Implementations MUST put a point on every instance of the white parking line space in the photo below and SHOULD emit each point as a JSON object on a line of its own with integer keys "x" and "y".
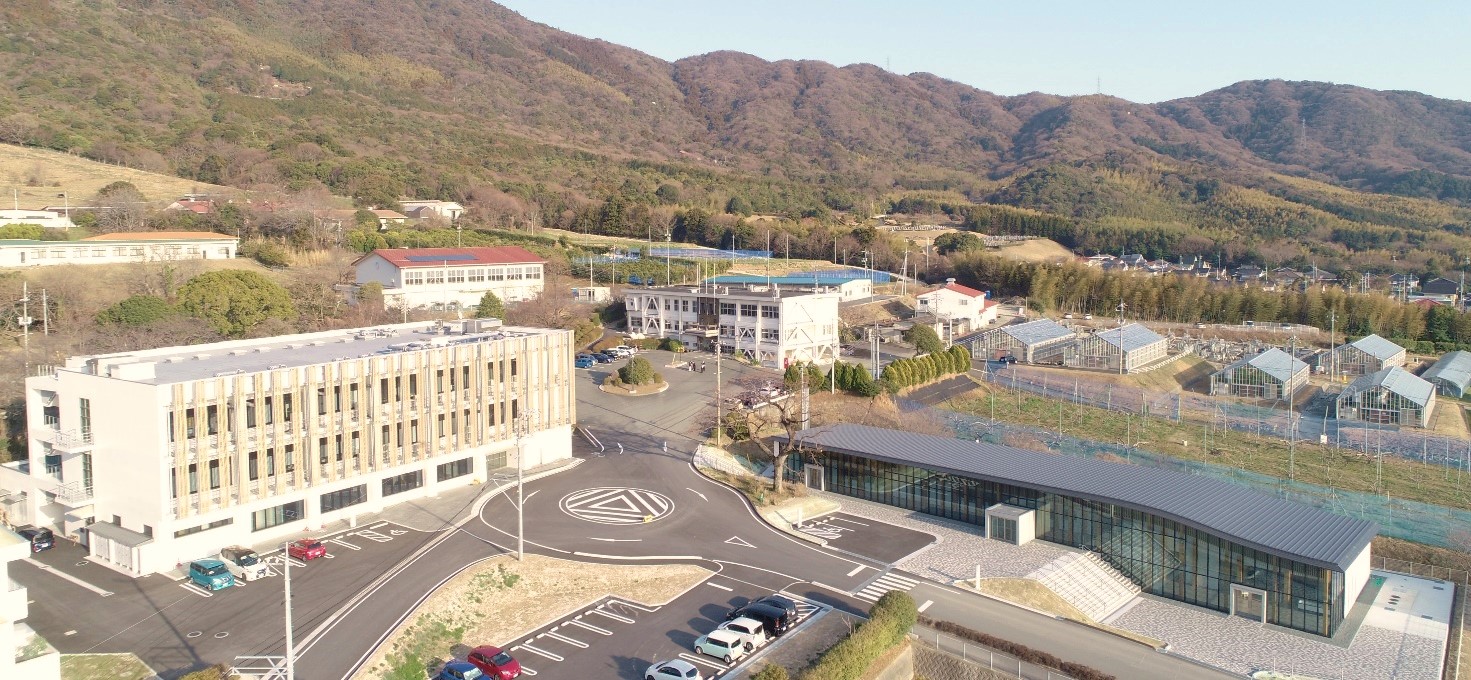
{"x": 527, "y": 646}
{"x": 371, "y": 535}
{"x": 611, "y": 615}
{"x": 703, "y": 660}
{"x": 925, "y": 606}
{"x": 555, "y": 636}
{"x": 65, "y": 576}
{"x": 344, "y": 544}
{"x": 857, "y": 569}
{"x": 588, "y": 626}
{"x": 845, "y": 519}
{"x": 189, "y": 586}
{"x": 713, "y": 584}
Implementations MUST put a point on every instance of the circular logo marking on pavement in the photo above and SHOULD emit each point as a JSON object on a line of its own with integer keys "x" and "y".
{"x": 617, "y": 505}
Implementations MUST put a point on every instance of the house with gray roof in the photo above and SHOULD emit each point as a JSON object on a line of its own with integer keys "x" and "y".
{"x": 1040, "y": 341}
{"x": 1125, "y": 349}
{"x": 1273, "y": 374}
{"x": 1366, "y": 355}
{"x": 1451, "y": 375}
{"x": 1190, "y": 538}
{"x": 1392, "y": 396}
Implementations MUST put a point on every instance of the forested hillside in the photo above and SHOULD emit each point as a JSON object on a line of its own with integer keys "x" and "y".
{"x": 465, "y": 100}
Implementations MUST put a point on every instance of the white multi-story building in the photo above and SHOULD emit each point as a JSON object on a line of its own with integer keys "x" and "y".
{"x": 42, "y": 217}
{"x": 23, "y": 654}
{"x": 158, "y": 457}
{"x": 773, "y": 326}
{"x": 451, "y": 278}
{"x": 151, "y": 246}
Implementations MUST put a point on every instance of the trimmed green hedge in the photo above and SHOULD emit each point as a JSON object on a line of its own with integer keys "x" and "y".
{"x": 888, "y": 624}
{"x": 927, "y": 368}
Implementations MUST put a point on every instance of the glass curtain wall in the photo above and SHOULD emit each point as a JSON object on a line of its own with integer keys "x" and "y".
{"x": 1164, "y": 557}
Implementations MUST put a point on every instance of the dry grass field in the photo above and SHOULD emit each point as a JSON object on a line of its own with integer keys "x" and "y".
{"x": 38, "y": 175}
{"x": 1036, "y": 250}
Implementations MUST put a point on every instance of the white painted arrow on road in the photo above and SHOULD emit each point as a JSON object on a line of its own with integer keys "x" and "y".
{"x": 736, "y": 540}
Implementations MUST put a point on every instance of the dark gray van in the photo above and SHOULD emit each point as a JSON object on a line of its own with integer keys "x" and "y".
{"x": 40, "y": 538}
{"x": 772, "y": 619}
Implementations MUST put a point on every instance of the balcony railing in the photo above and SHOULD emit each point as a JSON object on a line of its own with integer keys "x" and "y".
{"x": 72, "y": 439}
{"x": 74, "y": 493}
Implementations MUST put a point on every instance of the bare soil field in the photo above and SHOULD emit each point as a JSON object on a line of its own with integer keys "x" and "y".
{"x": 1036, "y": 250}
{"x": 40, "y": 174}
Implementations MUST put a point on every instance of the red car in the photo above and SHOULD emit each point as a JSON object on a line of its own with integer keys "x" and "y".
{"x": 306, "y": 549}
{"x": 494, "y": 663}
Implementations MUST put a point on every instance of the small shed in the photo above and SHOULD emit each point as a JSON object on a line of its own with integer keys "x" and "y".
{"x": 1451, "y": 375}
{"x": 1392, "y": 396}
{"x": 1273, "y": 374}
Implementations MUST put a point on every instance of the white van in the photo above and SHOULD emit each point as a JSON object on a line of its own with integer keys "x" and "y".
{"x": 244, "y": 563}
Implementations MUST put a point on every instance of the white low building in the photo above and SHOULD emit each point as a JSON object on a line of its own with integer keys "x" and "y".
{"x": 148, "y": 246}
{"x": 773, "y": 326}
{"x": 425, "y": 210}
{"x": 956, "y": 309}
{"x": 158, "y": 457}
{"x": 451, "y": 278}
{"x": 44, "y": 218}
{"x": 23, "y": 654}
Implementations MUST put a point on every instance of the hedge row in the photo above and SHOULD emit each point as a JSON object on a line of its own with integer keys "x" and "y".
{"x": 920, "y": 370}
{"x": 1075, "y": 670}
{"x": 887, "y": 626}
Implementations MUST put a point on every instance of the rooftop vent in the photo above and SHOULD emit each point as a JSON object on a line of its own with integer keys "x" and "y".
{"x": 174, "y": 360}
{"x": 276, "y": 366}
{"x": 238, "y": 352}
{"x": 201, "y": 356}
{"x": 262, "y": 350}
{"x": 318, "y": 343}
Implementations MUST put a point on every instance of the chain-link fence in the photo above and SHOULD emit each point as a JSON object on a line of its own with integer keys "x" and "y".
{"x": 945, "y": 657}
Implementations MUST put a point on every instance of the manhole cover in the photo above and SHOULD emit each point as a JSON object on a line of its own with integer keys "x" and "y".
{"x": 617, "y": 505}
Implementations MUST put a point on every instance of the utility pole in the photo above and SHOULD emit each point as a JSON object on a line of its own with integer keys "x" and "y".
{"x": 1292, "y": 413}
{"x": 45, "y": 315}
{"x": 25, "y": 325}
{"x": 523, "y": 428}
{"x": 290, "y": 638}
{"x": 719, "y": 402}
{"x": 903, "y": 270}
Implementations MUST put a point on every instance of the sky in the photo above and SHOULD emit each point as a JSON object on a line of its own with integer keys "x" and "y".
{"x": 1141, "y": 50}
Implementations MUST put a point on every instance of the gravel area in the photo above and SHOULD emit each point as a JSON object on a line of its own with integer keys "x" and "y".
{"x": 799, "y": 651}
{"x": 540, "y": 590}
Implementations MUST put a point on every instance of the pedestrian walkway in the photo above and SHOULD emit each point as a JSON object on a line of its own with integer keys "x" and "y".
{"x": 882, "y": 585}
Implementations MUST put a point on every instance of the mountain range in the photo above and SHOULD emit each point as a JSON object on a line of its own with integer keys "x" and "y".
{"x": 436, "y": 98}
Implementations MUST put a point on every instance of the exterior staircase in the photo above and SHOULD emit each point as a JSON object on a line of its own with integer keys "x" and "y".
{"x": 1088, "y": 583}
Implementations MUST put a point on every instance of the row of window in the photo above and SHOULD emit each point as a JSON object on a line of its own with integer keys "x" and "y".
{"x": 122, "y": 251}
{"x": 476, "y": 275}
{"x": 331, "y": 399}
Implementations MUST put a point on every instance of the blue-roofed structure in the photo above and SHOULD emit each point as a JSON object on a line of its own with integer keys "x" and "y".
{"x": 1391, "y": 396}
{"x": 1273, "y": 374}
{"x": 1185, "y": 537}
{"x": 1451, "y": 375}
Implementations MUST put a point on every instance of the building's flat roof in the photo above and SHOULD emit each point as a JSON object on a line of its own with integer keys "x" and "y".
{"x": 791, "y": 280}
{"x": 1377, "y": 347}
{"x": 117, "y": 534}
{"x": 1131, "y": 337}
{"x": 742, "y": 292}
{"x": 1396, "y": 380}
{"x": 197, "y": 362}
{"x": 1453, "y": 368}
{"x": 1241, "y": 514}
{"x": 1273, "y": 362}
{"x": 409, "y": 258}
{"x": 145, "y": 236}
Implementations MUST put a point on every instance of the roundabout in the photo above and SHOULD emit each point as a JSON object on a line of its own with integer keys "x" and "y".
{"x": 617, "y": 505}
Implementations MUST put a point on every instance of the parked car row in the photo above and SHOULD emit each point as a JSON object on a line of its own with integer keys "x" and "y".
{"x": 746, "y": 629}
{"x": 485, "y": 661}
{"x": 607, "y": 356}
{"x": 243, "y": 564}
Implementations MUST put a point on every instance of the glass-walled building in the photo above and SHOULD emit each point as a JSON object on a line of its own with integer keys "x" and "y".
{"x": 1184, "y": 537}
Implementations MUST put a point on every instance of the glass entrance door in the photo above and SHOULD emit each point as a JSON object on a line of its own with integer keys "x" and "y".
{"x": 1249, "y": 603}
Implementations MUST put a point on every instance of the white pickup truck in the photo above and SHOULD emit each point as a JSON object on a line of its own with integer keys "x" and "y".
{"x": 244, "y": 563}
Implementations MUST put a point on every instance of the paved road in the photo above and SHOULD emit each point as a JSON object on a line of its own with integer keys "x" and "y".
{"x": 594, "y": 512}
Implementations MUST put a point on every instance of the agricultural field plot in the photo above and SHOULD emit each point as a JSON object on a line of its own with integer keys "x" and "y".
{"x": 40, "y": 174}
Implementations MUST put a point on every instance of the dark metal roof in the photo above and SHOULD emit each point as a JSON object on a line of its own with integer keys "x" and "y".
{"x": 1237, "y": 513}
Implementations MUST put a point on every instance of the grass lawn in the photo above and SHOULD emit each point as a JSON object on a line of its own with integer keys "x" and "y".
{"x": 1314, "y": 464}
{"x": 1033, "y": 594}
{"x": 41, "y": 174}
{"x": 103, "y": 667}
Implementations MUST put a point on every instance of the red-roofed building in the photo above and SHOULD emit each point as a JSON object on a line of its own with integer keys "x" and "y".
{"x": 196, "y": 207}
{"x": 451, "y": 278}
{"x": 956, "y": 309}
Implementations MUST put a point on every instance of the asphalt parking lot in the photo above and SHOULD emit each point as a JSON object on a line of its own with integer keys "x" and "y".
{"x": 621, "y": 639}
{"x": 173, "y": 624}
{"x": 870, "y": 538}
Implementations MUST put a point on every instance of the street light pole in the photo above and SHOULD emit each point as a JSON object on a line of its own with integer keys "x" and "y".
{"x": 523, "y": 428}
{"x": 290, "y": 638}
{"x": 668, "y": 246}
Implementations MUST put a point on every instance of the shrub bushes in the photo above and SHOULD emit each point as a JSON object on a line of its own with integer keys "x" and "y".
{"x": 638, "y": 372}
{"x": 1075, "y": 670}
{"x": 920, "y": 370}
{"x": 671, "y": 345}
{"x": 888, "y": 624}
